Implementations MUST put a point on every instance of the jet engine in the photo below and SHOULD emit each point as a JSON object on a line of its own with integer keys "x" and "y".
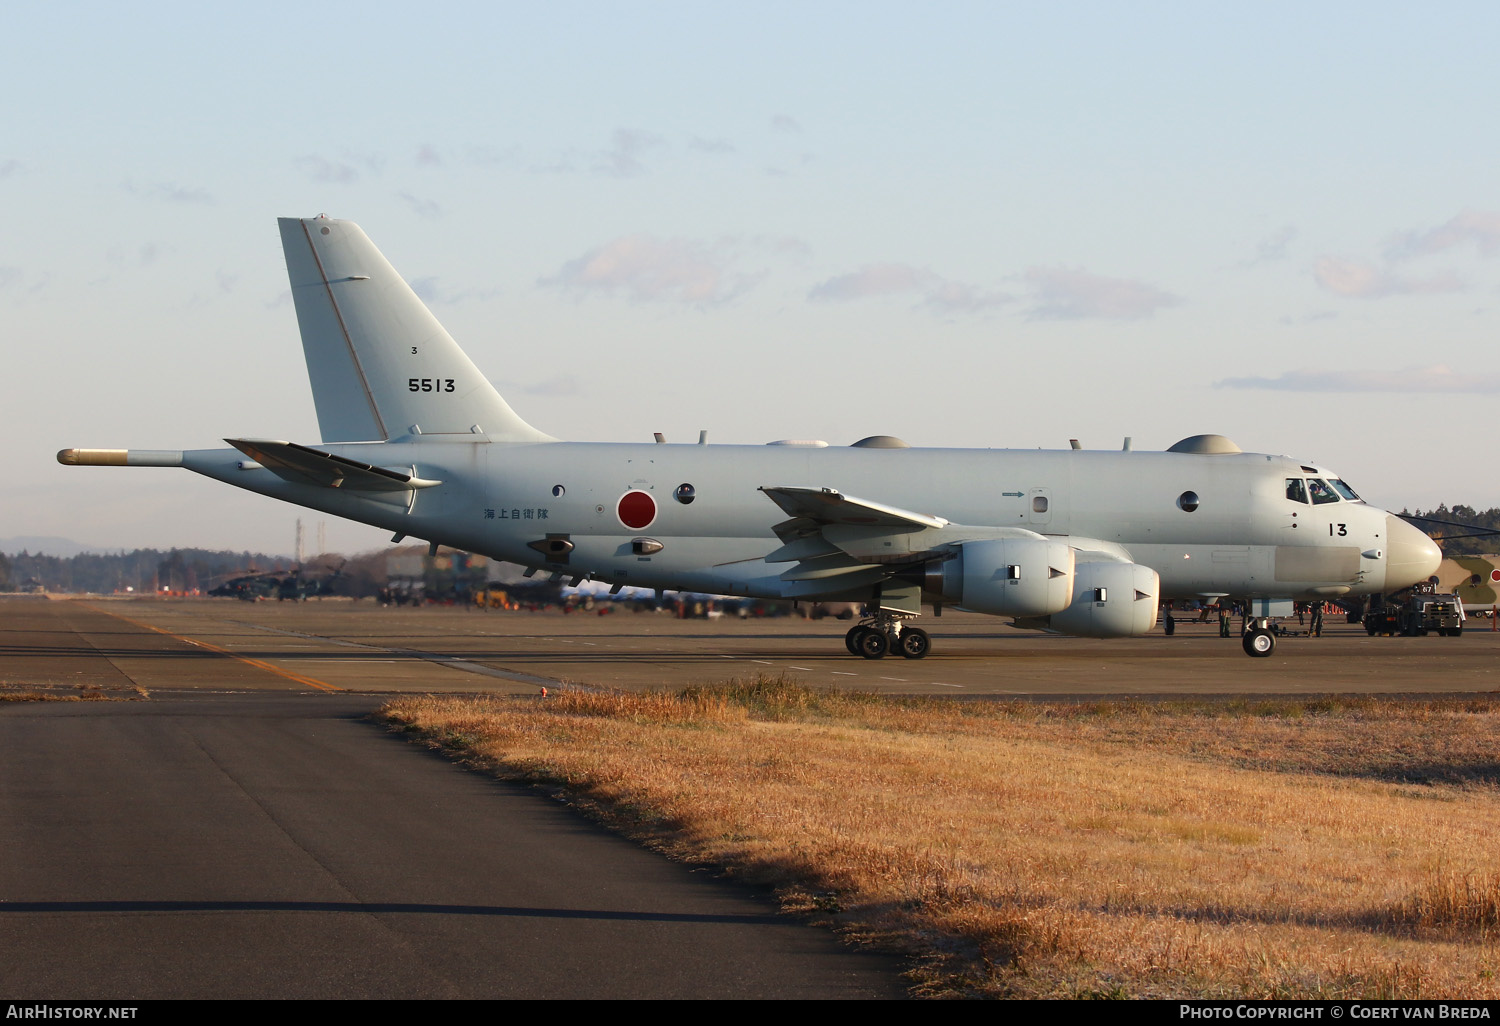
{"x": 1110, "y": 600}
{"x": 1008, "y": 577}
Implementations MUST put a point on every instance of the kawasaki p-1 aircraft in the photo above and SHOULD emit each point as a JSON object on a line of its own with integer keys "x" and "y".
{"x": 418, "y": 442}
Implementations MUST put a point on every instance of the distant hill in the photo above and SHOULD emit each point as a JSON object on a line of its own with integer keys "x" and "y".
{"x": 48, "y": 545}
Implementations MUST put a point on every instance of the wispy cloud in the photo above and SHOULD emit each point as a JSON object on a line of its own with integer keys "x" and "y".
{"x": 1273, "y": 247}
{"x": 429, "y": 209}
{"x": 562, "y": 385}
{"x": 781, "y": 245}
{"x": 956, "y": 297}
{"x": 431, "y": 291}
{"x": 871, "y": 280}
{"x": 623, "y": 157}
{"x": 490, "y": 156}
{"x": 644, "y": 268}
{"x": 1068, "y": 294}
{"x": 1436, "y": 378}
{"x": 9, "y": 167}
{"x": 1288, "y": 321}
{"x": 702, "y": 145}
{"x": 1356, "y": 279}
{"x": 168, "y": 192}
{"x": 937, "y": 294}
{"x": 428, "y": 155}
{"x": 144, "y": 255}
{"x": 1478, "y": 227}
{"x": 785, "y": 123}
{"x": 1386, "y": 275}
{"x": 327, "y": 172}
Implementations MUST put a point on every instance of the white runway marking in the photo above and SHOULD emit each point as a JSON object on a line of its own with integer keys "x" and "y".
{"x": 340, "y": 660}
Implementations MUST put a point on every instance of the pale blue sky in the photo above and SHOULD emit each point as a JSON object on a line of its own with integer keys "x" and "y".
{"x": 966, "y": 224}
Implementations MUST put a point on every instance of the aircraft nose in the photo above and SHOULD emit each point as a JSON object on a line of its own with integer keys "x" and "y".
{"x": 1410, "y": 556}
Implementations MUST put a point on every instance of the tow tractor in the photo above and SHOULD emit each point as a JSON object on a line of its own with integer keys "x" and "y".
{"x": 1421, "y": 611}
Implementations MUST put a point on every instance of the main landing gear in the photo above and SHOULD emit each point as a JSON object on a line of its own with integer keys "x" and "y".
{"x": 886, "y": 633}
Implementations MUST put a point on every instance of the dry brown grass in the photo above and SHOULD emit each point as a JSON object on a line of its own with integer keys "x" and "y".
{"x": 1326, "y": 848}
{"x": 23, "y": 693}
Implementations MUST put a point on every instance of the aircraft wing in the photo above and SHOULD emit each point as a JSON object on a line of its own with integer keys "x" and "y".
{"x": 303, "y": 465}
{"x": 846, "y": 540}
{"x": 830, "y": 506}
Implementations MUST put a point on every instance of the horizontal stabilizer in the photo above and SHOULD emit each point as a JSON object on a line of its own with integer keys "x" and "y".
{"x": 302, "y": 465}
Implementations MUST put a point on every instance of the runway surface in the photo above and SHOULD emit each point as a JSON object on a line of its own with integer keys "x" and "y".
{"x": 243, "y": 834}
{"x": 335, "y": 646}
{"x": 231, "y": 826}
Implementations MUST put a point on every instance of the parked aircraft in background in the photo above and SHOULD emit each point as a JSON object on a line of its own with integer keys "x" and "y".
{"x": 1475, "y": 579}
{"x": 417, "y": 441}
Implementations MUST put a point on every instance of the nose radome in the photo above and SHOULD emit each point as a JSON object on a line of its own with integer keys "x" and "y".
{"x": 1410, "y": 556}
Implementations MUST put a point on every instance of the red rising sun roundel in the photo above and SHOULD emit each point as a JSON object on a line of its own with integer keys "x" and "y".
{"x": 636, "y": 510}
{"x": 1495, "y": 575}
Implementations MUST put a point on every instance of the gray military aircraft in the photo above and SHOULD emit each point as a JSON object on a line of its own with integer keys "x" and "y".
{"x": 418, "y": 442}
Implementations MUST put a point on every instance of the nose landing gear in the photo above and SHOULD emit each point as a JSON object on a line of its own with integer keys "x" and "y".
{"x": 1260, "y": 637}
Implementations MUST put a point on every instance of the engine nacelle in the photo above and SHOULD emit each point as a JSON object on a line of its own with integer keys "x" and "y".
{"x": 1110, "y": 600}
{"x": 1010, "y": 576}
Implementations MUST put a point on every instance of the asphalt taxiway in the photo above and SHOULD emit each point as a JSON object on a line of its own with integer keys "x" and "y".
{"x": 232, "y": 825}
{"x": 344, "y": 646}
{"x": 247, "y": 832}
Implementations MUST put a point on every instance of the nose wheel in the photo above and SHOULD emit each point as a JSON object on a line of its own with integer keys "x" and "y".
{"x": 1259, "y": 640}
{"x": 887, "y": 634}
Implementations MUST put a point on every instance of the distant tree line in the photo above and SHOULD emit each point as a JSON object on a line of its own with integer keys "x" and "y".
{"x": 143, "y": 570}
{"x": 1444, "y": 528}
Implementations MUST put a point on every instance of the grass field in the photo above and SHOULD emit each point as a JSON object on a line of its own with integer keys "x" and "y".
{"x": 1334, "y": 848}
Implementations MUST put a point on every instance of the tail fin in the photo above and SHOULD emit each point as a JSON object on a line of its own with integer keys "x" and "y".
{"x": 381, "y": 365}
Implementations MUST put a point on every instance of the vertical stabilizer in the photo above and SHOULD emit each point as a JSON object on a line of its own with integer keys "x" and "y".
{"x": 379, "y": 362}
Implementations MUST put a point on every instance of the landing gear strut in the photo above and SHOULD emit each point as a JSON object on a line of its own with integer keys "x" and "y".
{"x": 884, "y": 633}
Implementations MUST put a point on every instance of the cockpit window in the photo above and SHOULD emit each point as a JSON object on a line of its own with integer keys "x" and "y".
{"x": 1294, "y": 490}
{"x": 1321, "y": 493}
{"x": 1345, "y": 490}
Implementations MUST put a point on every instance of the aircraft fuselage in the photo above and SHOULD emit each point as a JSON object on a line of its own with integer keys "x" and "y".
{"x": 1244, "y": 537}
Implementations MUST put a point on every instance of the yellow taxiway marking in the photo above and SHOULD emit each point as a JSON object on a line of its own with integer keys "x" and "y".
{"x": 258, "y": 664}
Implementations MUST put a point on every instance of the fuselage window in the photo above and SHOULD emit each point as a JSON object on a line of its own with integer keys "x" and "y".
{"x": 1321, "y": 493}
{"x": 1187, "y": 501}
{"x": 1344, "y": 490}
{"x": 1039, "y": 504}
{"x": 1295, "y": 490}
